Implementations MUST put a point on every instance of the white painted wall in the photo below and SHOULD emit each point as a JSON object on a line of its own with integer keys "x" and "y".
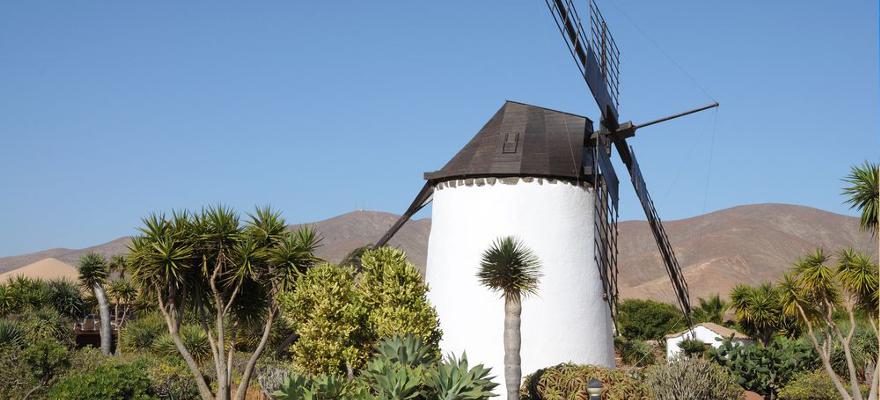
{"x": 702, "y": 334}
{"x": 567, "y": 321}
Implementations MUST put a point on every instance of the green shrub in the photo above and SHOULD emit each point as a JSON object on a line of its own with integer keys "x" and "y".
{"x": 340, "y": 314}
{"x": 569, "y": 381}
{"x": 396, "y": 297}
{"x": 66, "y": 298}
{"x": 809, "y": 386}
{"x": 193, "y": 337}
{"x": 864, "y": 353}
{"x": 171, "y": 379}
{"x": 692, "y": 347}
{"x": 648, "y": 319}
{"x": 110, "y": 382}
{"x": 766, "y": 369}
{"x": 140, "y": 333}
{"x": 46, "y": 323}
{"x": 17, "y": 381}
{"x": 47, "y": 359}
{"x": 87, "y": 359}
{"x": 330, "y": 319}
{"x": 692, "y": 379}
{"x": 26, "y": 292}
{"x": 636, "y": 353}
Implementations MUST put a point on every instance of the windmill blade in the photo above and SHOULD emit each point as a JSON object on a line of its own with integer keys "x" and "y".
{"x": 422, "y": 199}
{"x": 679, "y": 284}
{"x": 595, "y": 53}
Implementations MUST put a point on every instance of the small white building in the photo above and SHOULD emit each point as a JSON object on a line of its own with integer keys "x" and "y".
{"x": 706, "y": 332}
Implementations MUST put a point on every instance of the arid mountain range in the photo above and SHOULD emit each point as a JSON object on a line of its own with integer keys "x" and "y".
{"x": 746, "y": 244}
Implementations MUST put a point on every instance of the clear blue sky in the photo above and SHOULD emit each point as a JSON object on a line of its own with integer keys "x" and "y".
{"x": 111, "y": 110}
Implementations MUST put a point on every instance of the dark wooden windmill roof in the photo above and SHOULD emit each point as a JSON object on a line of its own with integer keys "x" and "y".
{"x": 522, "y": 140}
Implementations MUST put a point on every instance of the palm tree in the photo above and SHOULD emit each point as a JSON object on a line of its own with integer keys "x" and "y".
{"x": 711, "y": 310}
{"x": 758, "y": 310}
{"x": 93, "y": 275}
{"x": 863, "y": 194}
{"x": 123, "y": 292}
{"x": 228, "y": 275}
{"x": 509, "y": 267}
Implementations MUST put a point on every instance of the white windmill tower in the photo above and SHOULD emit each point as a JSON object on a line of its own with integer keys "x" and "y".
{"x": 545, "y": 177}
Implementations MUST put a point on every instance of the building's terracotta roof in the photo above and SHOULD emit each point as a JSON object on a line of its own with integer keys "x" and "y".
{"x": 522, "y": 140}
{"x": 720, "y": 330}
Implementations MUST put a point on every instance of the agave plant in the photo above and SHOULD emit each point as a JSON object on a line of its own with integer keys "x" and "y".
{"x": 453, "y": 380}
{"x": 11, "y": 334}
{"x": 323, "y": 387}
{"x": 407, "y": 350}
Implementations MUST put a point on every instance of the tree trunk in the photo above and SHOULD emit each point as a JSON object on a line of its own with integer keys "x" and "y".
{"x": 249, "y": 368}
{"x": 104, "y": 313}
{"x": 512, "y": 342}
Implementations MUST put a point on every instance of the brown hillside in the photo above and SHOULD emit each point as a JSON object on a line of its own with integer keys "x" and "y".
{"x": 748, "y": 244}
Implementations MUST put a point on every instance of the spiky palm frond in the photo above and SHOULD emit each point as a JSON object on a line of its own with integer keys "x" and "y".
{"x": 816, "y": 279}
{"x": 117, "y": 264}
{"x": 509, "y": 267}
{"x": 218, "y": 227}
{"x": 710, "y": 309}
{"x": 93, "y": 270}
{"x": 122, "y": 290}
{"x": 863, "y": 194}
{"x": 266, "y": 225}
{"x": 858, "y": 275}
{"x": 293, "y": 255}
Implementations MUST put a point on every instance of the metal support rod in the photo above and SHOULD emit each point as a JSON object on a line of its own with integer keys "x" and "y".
{"x": 681, "y": 114}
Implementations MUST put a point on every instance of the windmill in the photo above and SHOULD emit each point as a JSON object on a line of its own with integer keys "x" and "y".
{"x": 545, "y": 176}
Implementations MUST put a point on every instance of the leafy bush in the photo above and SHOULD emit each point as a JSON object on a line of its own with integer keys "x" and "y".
{"x": 17, "y": 381}
{"x": 864, "y": 353}
{"x": 636, "y": 353}
{"x": 569, "y": 381}
{"x": 692, "y": 347}
{"x": 47, "y": 360}
{"x": 809, "y": 386}
{"x": 171, "y": 379}
{"x": 65, "y": 297}
{"x": 140, "y": 334}
{"x": 47, "y": 323}
{"x": 692, "y": 379}
{"x": 340, "y": 314}
{"x": 87, "y": 359}
{"x": 194, "y": 338}
{"x": 330, "y": 318}
{"x": 111, "y": 381}
{"x": 25, "y": 292}
{"x": 396, "y": 297}
{"x": 766, "y": 369}
{"x": 648, "y": 319}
